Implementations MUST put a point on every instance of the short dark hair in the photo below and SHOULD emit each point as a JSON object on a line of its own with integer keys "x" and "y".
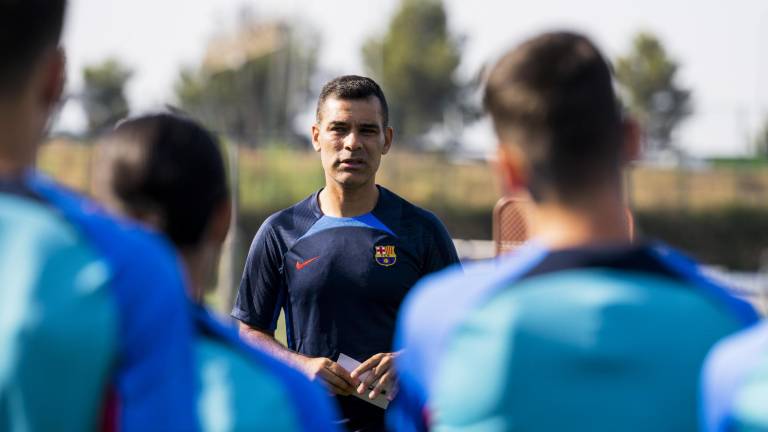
{"x": 168, "y": 165}
{"x": 27, "y": 29}
{"x": 553, "y": 96}
{"x": 351, "y": 87}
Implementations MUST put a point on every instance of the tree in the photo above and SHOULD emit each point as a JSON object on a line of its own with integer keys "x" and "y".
{"x": 415, "y": 62}
{"x": 761, "y": 140}
{"x": 648, "y": 77}
{"x": 104, "y": 93}
{"x": 253, "y": 82}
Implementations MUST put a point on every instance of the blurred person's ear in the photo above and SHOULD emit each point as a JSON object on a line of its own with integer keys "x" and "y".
{"x": 512, "y": 170}
{"x": 51, "y": 79}
{"x": 220, "y": 221}
{"x": 632, "y": 139}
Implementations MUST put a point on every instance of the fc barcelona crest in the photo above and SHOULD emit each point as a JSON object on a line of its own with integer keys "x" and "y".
{"x": 385, "y": 255}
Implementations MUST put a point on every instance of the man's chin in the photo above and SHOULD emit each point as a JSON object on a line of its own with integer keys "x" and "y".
{"x": 352, "y": 180}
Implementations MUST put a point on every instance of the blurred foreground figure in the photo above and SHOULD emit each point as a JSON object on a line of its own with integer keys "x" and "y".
{"x": 167, "y": 171}
{"x": 579, "y": 330}
{"x": 735, "y": 387}
{"x": 93, "y": 314}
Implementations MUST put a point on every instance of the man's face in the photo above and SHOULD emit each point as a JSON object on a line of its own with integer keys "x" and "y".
{"x": 350, "y": 137}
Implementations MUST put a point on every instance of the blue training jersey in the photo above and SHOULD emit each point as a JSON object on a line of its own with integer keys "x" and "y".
{"x": 735, "y": 383}
{"x": 598, "y": 339}
{"x": 243, "y": 389}
{"x": 89, "y": 306}
{"x": 340, "y": 281}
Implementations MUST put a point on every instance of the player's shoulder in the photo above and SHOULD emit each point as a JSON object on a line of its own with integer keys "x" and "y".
{"x": 36, "y": 235}
{"x": 123, "y": 243}
{"x": 724, "y": 372}
{"x": 743, "y": 347}
{"x": 282, "y": 388}
{"x": 405, "y": 207}
{"x": 402, "y": 213}
{"x": 33, "y": 218}
{"x": 293, "y": 220}
{"x": 692, "y": 273}
{"x": 442, "y": 299}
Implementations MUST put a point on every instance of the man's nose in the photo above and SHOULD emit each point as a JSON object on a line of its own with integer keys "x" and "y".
{"x": 352, "y": 142}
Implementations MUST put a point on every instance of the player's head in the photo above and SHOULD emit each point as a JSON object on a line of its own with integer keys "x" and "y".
{"x": 166, "y": 171}
{"x": 31, "y": 74}
{"x": 352, "y": 130}
{"x": 352, "y": 87}
{"x": 558, "y": 119}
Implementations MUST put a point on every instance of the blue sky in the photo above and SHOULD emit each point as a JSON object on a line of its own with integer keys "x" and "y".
{"x": 723, "y": 48}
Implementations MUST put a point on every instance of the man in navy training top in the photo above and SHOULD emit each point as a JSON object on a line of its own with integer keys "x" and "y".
{"x": 578, "y": 330}
{"x": 91, "y": 309}
{"x": 340, "y": 262}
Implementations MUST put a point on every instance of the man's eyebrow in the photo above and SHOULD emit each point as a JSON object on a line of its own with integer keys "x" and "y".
{"x": 369, "y": 125}
{"x": 337, "y": 123}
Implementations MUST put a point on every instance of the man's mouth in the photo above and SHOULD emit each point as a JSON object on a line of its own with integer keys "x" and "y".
{"x": 351, "y": 163}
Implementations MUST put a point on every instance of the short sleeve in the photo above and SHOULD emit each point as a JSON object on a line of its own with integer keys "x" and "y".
{"x": 153, "y": 382}
{"x": 262, "y": 290}
{"x": 441, "y": 252}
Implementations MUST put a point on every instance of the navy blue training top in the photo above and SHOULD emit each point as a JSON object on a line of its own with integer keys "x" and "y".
{"x": 340, "y": 281}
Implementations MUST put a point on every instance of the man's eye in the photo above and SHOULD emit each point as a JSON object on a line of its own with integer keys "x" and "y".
{"x": 370, "y": 131}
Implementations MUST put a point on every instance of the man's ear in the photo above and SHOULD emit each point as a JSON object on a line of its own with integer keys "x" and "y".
{"x": 511, "y": 168}
{"x": 631, "y": 142}
{"x": 389, "y": 133}
{"x": 220, "y": 221}
{"x": 316, "y": 136}
{"x": 53, "y": 79}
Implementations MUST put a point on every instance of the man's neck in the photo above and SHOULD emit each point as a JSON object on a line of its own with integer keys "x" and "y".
{"x": 17, "y": 153}
{"x": 11, "y": 169}
{"x": 338, "y": 201}
{"x": 600, "y": 221}
{"x": 198, "y": 263}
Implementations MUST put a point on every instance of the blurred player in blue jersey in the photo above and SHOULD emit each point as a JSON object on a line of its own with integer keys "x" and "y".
{"x": 340, "y": 262}
{"x": 91, "y": 309}
{"x": 166, "y": 171}
{"x": 579, "y": 330}
{"x": 735, "y": 383}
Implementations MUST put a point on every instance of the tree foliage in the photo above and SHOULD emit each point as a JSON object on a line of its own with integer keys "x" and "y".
{"x": 103, "y": 96}
{"x": 648, "y": 77}
{"x": 252, "y": 83}
{"x": 415, "y": 62}
{"x": 761, "y": 140}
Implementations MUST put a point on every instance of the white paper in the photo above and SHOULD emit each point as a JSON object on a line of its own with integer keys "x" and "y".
{"x": 351, "y": 364}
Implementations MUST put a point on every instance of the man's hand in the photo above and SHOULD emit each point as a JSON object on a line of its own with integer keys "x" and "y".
{"x": 335, "y": 377}
{"x": 382, "y": 379}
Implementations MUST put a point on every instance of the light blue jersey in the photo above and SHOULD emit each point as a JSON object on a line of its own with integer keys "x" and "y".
{"x": 735, "y": 383}
{"x": 89, "y": 306}
{"x": 584, "y": 339}
{"x": 243, "y": 389}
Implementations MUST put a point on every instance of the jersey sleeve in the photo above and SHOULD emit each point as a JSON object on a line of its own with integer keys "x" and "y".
{"x": 408, "y": 411}
{"x": 154, "y": 383}
{"x": 154, "y": 376}
{"x": 725, "y": 370}
{"x": 261, "y": 291}
{"x": 441, "y": 252}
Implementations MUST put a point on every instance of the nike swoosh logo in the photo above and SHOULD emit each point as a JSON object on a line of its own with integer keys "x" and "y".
{"x": 301, "y": 265}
